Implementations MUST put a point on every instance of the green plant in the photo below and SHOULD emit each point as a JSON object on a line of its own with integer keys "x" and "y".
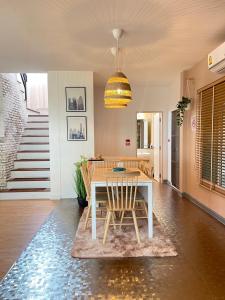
{"x": 181, "y": 107}
{"x": 78, "y": 180}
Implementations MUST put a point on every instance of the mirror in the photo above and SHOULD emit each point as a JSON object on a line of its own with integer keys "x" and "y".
{"x": 144, "y": 130}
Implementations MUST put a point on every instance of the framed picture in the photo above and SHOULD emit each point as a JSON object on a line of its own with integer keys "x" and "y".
{"x": 76, "y": 128}
{"x": 75, "y": 99}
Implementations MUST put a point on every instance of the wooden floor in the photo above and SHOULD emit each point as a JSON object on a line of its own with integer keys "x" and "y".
{"x": 19, "y": 221}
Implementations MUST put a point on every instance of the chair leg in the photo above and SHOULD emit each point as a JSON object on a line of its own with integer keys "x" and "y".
{"x": 113, "y": 219}
{"x": 136, "y": 226}
{"x": 107, "y": 226}
{"x": 87, "y": 216}
{"x": 145, "y": 208}
{"x": 121, "y": 219}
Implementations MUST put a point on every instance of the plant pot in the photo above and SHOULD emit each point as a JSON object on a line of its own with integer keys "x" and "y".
{"x": 82, "y": 202}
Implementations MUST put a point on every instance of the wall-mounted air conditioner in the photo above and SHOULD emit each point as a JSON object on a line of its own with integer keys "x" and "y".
{"x": 216, "y": 59}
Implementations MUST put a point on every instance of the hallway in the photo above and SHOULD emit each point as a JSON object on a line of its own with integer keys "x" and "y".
{"x": 197, "y": 272}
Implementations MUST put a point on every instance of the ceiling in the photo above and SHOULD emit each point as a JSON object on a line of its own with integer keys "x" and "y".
{"x": 162, "y": 37}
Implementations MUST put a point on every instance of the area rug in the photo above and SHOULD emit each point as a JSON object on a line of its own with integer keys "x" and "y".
{"x": 121, "y": 242}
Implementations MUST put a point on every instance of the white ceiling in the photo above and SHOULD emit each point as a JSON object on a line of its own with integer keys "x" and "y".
{"x": 162, "y": 37}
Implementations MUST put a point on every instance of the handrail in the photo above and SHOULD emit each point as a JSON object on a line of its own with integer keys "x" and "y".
{"x": 24, "y": 80}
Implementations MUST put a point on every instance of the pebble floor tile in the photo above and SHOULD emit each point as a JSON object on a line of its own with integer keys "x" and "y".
{"x": 46, "y": 270}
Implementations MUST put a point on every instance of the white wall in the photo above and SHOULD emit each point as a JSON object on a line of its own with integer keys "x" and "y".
{"x": 63, "y": 153}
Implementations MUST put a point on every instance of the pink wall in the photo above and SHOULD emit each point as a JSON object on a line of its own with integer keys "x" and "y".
{"x": 214, "y": 201}
{"x": 113, "y": 127}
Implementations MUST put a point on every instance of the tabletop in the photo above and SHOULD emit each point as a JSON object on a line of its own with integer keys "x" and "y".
{"x": 100, "y": 175}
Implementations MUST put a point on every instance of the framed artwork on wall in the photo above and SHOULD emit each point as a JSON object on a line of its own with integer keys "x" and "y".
{"x": 75, "y": 99}
{"x": 76, "y": 128}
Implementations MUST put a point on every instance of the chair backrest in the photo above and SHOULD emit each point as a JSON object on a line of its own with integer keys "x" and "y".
{"x": 106, "y": 163}
{"x": 86, "y": 179}
{"x": 112, "y": 163}
{"x": 131, "y": 163}
{"x": 146, "y": 168}
{"x": 121, "y": 190}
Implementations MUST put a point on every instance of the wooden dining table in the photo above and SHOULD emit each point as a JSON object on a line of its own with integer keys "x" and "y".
{"x": 98, "y": 179}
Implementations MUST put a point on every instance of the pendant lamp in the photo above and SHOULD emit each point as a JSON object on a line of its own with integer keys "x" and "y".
{"x": 117, "y": 91}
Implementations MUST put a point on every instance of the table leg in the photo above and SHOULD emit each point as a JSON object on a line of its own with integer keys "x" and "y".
{"x": 150, "y": 212}
{"x": 93, "y": 210}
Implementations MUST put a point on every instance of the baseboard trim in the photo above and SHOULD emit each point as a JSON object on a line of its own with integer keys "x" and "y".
{"x": 204, "y": 208}
{"x": 166, "y": 181}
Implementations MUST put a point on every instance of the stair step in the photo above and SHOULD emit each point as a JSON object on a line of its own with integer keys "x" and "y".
{"x": 35, "y": 135}
{"x": 31, "y": 193}
{"x": 36, "y": 128}
{"x": 33, "y": 159}
{"x": 33, "y": 143}
{"x": 35, "y": 139}
{"x": 34, "y": 147}
{"x": 28, "y": 182}
{"x": 37, "y": 122}
{"x": 25, "y": 190}
{"x": 37, "y": 115}
{"x": 30, "y": 172}
{"x": 30, "y": 179}
{"x": 31, "y": 163}
{"x": 33, "y": 151}
{"x": 31, "y": 169}
{"x": 42, "y": 154}
{"x": 36, "y": 132}
{"x": 38, "y": 118}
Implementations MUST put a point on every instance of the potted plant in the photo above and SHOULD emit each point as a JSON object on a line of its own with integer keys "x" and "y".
{"x": 182, "y": 105}
{"x": 79, "y": 183}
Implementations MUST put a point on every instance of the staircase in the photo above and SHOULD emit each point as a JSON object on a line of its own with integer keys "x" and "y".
{"x": 30, "y": 178}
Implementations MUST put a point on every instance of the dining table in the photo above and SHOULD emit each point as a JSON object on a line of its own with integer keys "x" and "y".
{"x": 98, "y": 179}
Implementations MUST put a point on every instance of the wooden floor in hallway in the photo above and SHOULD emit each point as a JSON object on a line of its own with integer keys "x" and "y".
{"x": 19, "y": 221}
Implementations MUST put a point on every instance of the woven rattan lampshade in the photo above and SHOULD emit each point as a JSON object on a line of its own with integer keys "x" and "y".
{"x": 117, "y": 91}
{"x": 115, "y": 105}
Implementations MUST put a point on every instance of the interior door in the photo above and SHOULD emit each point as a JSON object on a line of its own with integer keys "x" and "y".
{"x": 157, "y": 145}
{"x": 175, "y": 152}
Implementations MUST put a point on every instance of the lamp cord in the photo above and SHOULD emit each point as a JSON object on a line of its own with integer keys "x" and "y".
{"x": 117, "y": 55}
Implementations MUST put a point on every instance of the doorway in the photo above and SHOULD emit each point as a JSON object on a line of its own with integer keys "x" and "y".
{"x": 175, "y": 152}
{"x": 149, "y": 141}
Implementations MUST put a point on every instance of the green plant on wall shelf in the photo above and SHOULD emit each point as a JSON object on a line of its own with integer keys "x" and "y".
{"x": 181, "y": 107}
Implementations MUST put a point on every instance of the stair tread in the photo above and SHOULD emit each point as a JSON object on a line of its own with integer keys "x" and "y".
{"x": 31, "y": 169}
{"x": 37, "y": 128}
{"x": 29, "y": 179}
{"x": 37, "y": 122}
{"x": 35, "y": 136}
{"x": 33, "y": 159}
{"x": 38, "y": 116}
{"x": 35, "y": 143}
{"x": 33, "y": 151}
{"x": 25, "y": 190}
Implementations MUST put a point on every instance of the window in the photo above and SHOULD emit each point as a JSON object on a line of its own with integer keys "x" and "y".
{"x": 211, "y": 136}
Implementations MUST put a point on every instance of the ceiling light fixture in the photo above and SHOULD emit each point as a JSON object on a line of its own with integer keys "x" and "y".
{"x": 117, "y": 90}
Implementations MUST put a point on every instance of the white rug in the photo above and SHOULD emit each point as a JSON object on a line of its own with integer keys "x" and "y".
{"x": 121, "y": 243}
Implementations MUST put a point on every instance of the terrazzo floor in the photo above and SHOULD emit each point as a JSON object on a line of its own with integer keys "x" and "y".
{"x": 46, "y": 270}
